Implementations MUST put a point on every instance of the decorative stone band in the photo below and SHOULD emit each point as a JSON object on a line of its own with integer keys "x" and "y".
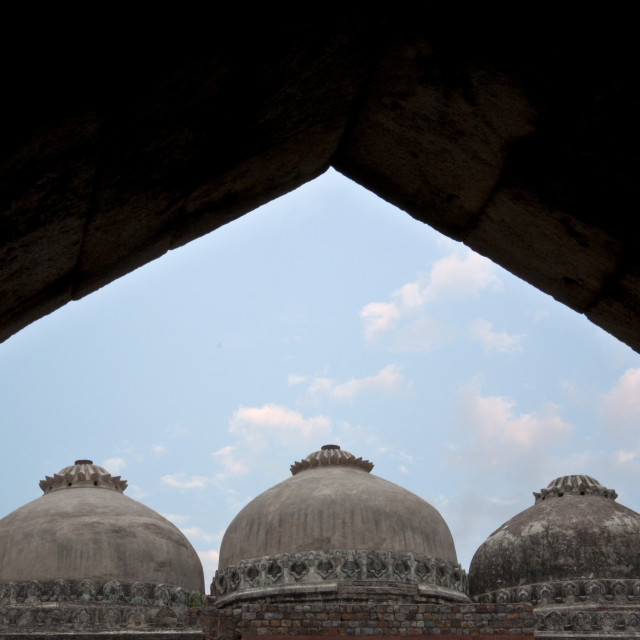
{"x": 63, "y": 606}
{"x": 591, "y": 590}
{"x": 320, "y": 571}
{"x": 616, "y": 620}
{"x": 574, "y": 485}
{"x": 34, "y": 591}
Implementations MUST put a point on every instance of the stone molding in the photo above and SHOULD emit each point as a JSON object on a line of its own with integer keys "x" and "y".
{"x": 308, "y": 568}
{"x": 67, "y": 605}
{"x": 588, "y": 621}
{"x": 567, "y": 591}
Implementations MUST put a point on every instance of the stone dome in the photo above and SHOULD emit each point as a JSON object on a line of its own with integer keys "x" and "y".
{"x": 83, "y": 527}
{"x": 334, "y": 520}
{"x": 576, "y": 540}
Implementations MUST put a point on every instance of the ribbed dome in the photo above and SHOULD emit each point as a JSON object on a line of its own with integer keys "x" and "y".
{"x": 83, "y": 527}
{"x": 333, "y": 503}
{"x": 575, "y": 531}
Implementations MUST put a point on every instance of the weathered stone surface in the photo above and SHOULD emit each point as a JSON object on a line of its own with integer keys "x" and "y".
{"x": 84, "y": 528}
{"x": 336, "y": 506}
{"x": 574, "y": 542}
{"x": 54, "y": 608}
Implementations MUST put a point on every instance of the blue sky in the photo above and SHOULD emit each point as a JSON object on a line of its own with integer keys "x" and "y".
{"x": 325, "y": 316}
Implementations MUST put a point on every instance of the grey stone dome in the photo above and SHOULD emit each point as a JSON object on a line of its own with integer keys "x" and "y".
{"x": 333, "y": 520}
{"x": 83, "y": 527}
{"x": 576, "y": 540}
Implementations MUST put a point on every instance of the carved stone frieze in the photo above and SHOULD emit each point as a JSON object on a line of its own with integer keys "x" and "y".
{"x": 91, "y": 605}
{"x": 316, "y": 567}
{"x": 588, "y": 620}
{"x": 567, "y": 592}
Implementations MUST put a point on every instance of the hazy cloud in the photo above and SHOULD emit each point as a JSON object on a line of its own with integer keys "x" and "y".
{"x": 136, "y": 492}
{"x": 228, "y": 458}
{"x": 499, "y": 435}
{"x": 379, "y": 317}
{"x": 175, "y": 430}
{"x": 114, "y": 465}
{"x": 183, "y": 481}
{"x": 494, "y": 341}
{"x": 540, "y": 314}
{"x": 387, "y": 380}
{"x": 196, "y": 533}
{"x": 294, "y": 379}
{"x": 621, "y": 405}
{"x": 159, "y": 449}
{"x": 175, "y": 518}
{"x": 209, "y": 561}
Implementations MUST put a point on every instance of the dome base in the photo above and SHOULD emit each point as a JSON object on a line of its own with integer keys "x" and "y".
{"x": 323, "y": 573}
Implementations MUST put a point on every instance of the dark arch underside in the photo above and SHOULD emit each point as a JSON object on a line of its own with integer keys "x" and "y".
{"x": 525, "y": 147}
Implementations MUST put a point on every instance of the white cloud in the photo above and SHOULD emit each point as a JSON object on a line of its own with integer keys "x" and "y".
{"x": 294, "y": 379}
{"x": 159, "y": 449}
{"x": 378, "y": 317}
{"x": 182, "y": 481}
{"x": 621, "y": 405}
{"x": 277, "y": 423}
{"x": 457, "y": 276}
{"x": 453, "y": 277}
{"x": 114, "y": 465}
{"x": 493, "y": 341}
{"x": 387, "y": 380}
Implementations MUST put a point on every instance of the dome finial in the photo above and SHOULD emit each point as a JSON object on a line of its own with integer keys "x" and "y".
{"x": 83, "y": 473}
{"x": 330, "y": 454}
{"x": 574, "y": 485}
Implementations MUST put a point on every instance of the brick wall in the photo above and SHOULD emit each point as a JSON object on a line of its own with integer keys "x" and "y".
{"x": 384, "y": 620}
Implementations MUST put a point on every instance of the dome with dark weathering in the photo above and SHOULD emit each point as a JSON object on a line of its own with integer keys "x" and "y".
{"x": 576, "y": 540}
